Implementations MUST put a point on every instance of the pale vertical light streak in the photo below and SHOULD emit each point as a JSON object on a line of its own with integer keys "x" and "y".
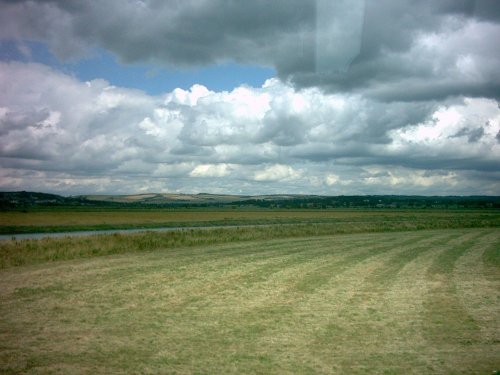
{"x": 339, "y": 29}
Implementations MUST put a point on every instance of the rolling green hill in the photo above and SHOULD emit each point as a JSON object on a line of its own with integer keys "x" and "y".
{"x": 33, "y": 200}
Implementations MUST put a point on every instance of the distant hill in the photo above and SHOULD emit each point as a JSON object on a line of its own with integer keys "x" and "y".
{"x": 201, "y": 198}
{"x": 23, "y": 199}
{"x": 28, "y": 200}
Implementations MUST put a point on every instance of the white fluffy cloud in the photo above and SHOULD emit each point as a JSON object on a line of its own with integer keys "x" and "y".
{"x": 277, "y": 172}
{"x": 59, "y": 134}
{"x": 210, "y": 170}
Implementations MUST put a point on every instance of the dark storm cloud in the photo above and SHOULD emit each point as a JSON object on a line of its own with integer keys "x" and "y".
{"x": 188, "y": 32}
{"x": 403, "y": 52}
{"x": 450, "y": 162}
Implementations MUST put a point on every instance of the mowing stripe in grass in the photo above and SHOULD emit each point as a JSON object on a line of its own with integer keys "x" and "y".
{"x": 259, "y": 259}
{"x": 462, "y": 311}
{"x": 383, "y": 274}
{"x": 195, "y": 273}
{"x": 491, "y": 260}
{"x": 444, "y": 314}
{"x": 389, "y": 271}
{"x": 478, "y": 292}
{"x": 332, "y": 256}
{"x": 444, "y": 264}
{"x": 337, "y": 263}
{"x": 195, "y": 305}
{"x": 291, "y": 311}
{"x": 256, "y": 274}
{"x": 322, "y": 275}
{"x": 326, "y": 310}
{"x": 375, "y": 325}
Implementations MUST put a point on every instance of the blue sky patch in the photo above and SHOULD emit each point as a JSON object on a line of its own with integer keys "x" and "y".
{"x": 152, "y": 79}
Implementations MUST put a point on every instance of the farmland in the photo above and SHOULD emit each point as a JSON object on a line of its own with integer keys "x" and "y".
{"x": 407, "y": 292}
{"x": 73, "y": 220}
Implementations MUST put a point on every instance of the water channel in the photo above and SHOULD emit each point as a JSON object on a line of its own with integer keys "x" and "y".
{"x": 37, "y": 236}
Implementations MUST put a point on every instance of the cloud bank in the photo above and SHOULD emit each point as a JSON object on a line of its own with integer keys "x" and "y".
{"x": 371, "y": 97}
{"x": 62, "y": 135}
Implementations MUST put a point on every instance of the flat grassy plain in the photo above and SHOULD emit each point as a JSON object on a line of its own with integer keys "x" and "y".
{"x": 62, "y": 220}
{"x": 352, "y": 297}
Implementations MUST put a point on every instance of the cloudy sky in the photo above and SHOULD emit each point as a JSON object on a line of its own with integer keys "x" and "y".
{"x": 248, "y": 97}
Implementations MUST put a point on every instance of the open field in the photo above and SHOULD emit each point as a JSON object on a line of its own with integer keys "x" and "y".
{"x": 416, "y": 302}
{"x": 71, "y": 220}
{"x": 22, "y": 252}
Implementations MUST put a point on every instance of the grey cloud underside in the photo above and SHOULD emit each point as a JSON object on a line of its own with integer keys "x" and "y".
{"x": 394, "y": 62}
{"x": 473, "y": 135}
{"x": 456, "y": 163}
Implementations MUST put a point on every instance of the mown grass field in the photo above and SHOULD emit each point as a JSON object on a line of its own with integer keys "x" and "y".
{"x": 212, "y": 302}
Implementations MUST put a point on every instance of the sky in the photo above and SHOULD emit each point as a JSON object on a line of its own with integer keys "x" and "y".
{"x": 331, "y": 97}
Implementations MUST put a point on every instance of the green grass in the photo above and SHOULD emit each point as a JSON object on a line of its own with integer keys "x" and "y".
{"x": 61, "y": 220}
{"x": 256, "y": 301}
{"x": 15, "y": 253}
